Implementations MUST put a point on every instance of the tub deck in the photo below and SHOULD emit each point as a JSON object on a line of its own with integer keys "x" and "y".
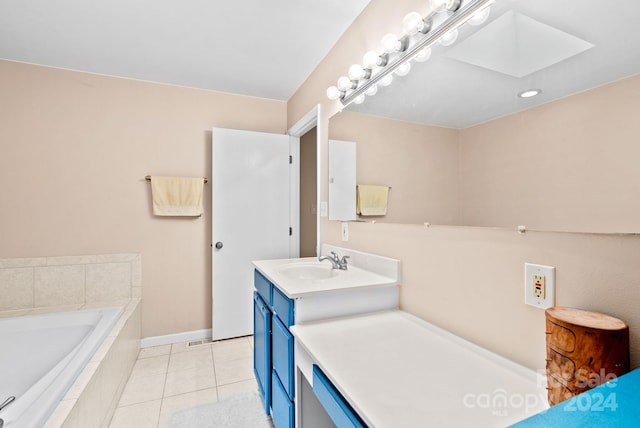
{"x": 104, "y": 375}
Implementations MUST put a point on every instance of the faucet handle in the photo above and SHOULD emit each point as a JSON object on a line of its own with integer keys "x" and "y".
{"x": 7, "y": 402}
{"x": 343, "y": 263}
{"x": 335, "y": 256}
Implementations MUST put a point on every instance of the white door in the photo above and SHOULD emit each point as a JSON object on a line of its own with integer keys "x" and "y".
{"x": 342, "y": 180}
{"x": 251, "y": 220}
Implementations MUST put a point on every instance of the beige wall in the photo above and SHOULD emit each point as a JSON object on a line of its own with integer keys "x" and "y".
{"x": 420, "y": 163}
{"x": 470, "y": 280}
{"x": 570, "y": 165}
{"x": 75, "y": 150}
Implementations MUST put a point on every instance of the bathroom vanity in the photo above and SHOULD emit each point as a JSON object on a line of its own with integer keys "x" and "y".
{"x": 289, "y": 292}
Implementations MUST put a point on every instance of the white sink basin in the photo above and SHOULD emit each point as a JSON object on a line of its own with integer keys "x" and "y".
{"x": 309, "y": 271}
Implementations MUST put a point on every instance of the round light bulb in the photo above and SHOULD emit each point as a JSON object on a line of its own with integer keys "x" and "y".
{"x": 371, "y": 91}
{"x": 389, "y": 43}
{"x": 437, "y": 5}
{"x": 423, "y": 55}
{"x": 412, "y": 23}
{"x": 333, "y": 93}
{"x": 370, "y": 59}
{"x": 442, "y": 5}
{"x": 386, "y": 80}
{"x": 404, "y": 69}
{"x": 359, "y": 99}
{"x": 453, "y": 5}
{"x": 480, "y": 16}
{"x": 356, "y": 72}
{"x": 449, "y": 38}
{"x": 344, "y": 83}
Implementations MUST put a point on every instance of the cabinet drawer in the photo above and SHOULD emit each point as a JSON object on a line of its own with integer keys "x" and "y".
{"x": 263, "y": 286}
{"x": 281, "y": 406}
{"x": 333, "y": 402}
{"x": 282, "y": 306}
{"x": 561, "y": 366}
{"x": 282, "y": 354}
{"x": 561, "y": 338}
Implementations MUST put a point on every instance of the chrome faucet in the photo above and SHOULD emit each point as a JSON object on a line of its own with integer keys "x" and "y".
{"x": 5, "y": 404}
{"x": 335, "y": 260}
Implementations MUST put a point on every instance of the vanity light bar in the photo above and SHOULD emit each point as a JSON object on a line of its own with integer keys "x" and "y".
{"x": 455, "y": 20}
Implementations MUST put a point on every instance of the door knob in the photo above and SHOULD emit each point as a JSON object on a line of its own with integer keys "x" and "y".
{"x": 219, "y": 245}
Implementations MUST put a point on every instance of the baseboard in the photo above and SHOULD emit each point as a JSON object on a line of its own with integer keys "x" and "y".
{"x": 168, "y": 339}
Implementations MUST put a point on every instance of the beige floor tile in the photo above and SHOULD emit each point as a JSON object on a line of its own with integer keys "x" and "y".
{"x": 234, "y": 371}
{"x": 191, "y": 360}
{"x": 231, "y": 350}
{"x": 231, "y": 389}
{"x": 176, "y": 403}
{"x": 142, "y": 389}
{"x": 154, "y": 351}
{"x": 142, "y": 415}
{"x": 170, "y": 378}
{"x": 183, "y": 381}
{"x": 150, "y": 366}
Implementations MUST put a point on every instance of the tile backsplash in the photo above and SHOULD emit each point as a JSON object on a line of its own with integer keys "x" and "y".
{"x": 27, "y": 283}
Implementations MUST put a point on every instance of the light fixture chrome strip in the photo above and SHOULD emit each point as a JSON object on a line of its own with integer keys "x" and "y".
{"x": 452, "y": 22}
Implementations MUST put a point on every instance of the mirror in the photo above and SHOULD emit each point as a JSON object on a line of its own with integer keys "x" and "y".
{"x": 459, "y": 147}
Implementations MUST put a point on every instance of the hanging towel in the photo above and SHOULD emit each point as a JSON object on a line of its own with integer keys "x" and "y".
{"x": 371, "y": 200}
{"x": 177, "y": 196}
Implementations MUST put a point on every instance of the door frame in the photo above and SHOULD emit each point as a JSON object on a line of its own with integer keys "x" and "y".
{"x": 301, "y": 127}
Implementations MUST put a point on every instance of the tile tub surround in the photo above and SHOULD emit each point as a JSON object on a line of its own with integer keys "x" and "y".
{"x": 92, "y": 399}
{"x": 67, "y": 281}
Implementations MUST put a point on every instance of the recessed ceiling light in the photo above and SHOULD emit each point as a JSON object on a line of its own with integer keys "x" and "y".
{"x": 529, "y": 93}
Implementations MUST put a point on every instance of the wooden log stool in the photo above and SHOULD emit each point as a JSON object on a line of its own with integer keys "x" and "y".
{"x": 584, "y": 349}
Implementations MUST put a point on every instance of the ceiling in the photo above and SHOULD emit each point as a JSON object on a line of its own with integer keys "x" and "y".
{"x": 263, "y": 48}
{"x": 573, "y": 45}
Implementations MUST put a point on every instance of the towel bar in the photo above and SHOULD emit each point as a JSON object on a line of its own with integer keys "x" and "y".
{"x": 148, "y": 178}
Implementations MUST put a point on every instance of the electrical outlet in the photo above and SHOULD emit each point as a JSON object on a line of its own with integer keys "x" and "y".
{"x": 324, "y": 209}
{"x": 539, "y": 285}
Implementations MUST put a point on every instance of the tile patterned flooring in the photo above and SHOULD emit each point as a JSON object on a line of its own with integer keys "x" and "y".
{"x": 170, "y": 378}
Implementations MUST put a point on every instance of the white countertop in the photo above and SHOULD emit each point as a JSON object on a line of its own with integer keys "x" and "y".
{"x": 399, "y": 371}
{"x": 352, "y": 278}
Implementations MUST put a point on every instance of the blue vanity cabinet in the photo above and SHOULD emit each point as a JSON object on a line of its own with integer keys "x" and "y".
{"x": 282, "y": 408}
{"x": 283, "y": 365}
{"x": 262, "y": 348}
{"x": 282, "y": 356}
{"x": 273, "y": 350}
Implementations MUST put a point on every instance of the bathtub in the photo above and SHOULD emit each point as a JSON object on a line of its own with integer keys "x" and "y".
{"x": 42, "y": 355}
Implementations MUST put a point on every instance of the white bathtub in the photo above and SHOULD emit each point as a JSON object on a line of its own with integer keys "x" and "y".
{"x": 41, "y": 356}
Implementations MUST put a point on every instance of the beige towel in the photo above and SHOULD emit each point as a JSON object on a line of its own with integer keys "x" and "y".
{"x": 371, "y": 200}
{"x": 177, "y": 196}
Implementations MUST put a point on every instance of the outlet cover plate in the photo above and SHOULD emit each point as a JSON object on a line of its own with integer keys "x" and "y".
{"x": 549, "y": 272}
{"x": 345, "y": 231}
